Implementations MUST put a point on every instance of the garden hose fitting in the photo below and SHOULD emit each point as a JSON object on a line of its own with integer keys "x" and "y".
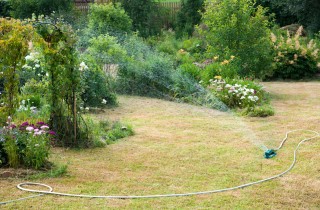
{"x": 270, "y": 153}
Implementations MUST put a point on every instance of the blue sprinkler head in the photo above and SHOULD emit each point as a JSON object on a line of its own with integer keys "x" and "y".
{"x": 270, "y": 153}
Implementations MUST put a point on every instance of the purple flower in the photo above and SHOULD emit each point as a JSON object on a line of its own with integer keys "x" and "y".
{"x": 24, "y": 124}
{"x": 12, "y": 126}
{"x": 40, "y": 123}
{"x": 52, "y": 133}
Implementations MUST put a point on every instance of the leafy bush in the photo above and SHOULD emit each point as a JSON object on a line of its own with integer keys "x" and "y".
{"x": 108, "y": 19}
{"x": 236, "y": 27}
{"x": 97, "y": 85}
{"x": 96, "y": 90}
{"x": 27, "y": 144}
{"x": 295, "y": 58}
{"x": 105, "y": 49}
{"x": 192, "y": 70}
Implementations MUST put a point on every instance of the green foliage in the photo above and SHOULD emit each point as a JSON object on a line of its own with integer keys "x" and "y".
{"x": 25, "y": 8}
{"x": 279, "y": 10}
{"x": 4, "y": 8}
{"x": 105, "y": 50}
{"x": 189, "y": 16}
{"x": 166, "y": 43}
{"x": 192, "y": 70}
{"x": 146, "y": 16}
{"x": 11, "y": 150}
{"x": 14, "y": 43}
{"x": 116, "y": 131}
{"x": 96, "y": 88}
{"x": 37, "y": 151}
{"x": 236, "y": 27}
{"x": 34, "y": 87}
{"x": 54, "y": 172}
{"x": 260, "y": 111}
{"x": 106, "y": 132}
{"x": 295, "y": 57}
{"x": 305, "y": 12}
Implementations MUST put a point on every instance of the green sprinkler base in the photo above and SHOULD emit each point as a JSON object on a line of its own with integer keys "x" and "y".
{"x": 270, "y": 153}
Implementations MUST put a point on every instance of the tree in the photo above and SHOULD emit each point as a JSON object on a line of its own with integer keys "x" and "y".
{"x": 237, "y": 28}
{"x": 189, "y": 16}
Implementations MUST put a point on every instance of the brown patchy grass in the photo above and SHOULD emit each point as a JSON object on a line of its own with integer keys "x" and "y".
{"x": 182, "y": 148}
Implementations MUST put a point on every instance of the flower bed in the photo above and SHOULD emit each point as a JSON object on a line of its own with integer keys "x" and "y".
{"x": 25, "y": 145}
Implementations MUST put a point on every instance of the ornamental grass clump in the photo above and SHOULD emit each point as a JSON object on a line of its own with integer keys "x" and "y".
{"x": 295, "y": 57}
{"x": 25, "y": 145}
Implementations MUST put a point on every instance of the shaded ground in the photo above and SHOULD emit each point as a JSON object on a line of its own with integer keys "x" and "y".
{"x": 182, "y": 148}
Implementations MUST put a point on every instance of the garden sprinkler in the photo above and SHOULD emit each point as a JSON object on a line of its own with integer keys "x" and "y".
{"x": 270, "y": 153}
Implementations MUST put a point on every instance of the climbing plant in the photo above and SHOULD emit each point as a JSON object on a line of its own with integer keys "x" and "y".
{"x": 62, "y": 65}
{"x": 15, "y": 40}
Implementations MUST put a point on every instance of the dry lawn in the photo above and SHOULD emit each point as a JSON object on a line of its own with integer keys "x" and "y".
{"x": 182, "y": 148}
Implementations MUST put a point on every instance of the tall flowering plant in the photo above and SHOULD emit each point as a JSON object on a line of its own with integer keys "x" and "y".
{"x": 295, "y": 57}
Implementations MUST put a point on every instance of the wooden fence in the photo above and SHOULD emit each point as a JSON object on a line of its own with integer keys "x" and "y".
{"x": 173, "y": 8}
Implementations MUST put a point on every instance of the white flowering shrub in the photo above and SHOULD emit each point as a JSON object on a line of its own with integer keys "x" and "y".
{"x": 237, "y": 93}
{"x": 295, "y": 57}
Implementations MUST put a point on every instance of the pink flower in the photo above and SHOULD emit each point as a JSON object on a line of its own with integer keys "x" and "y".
{"x": 44, "y": 127}
{"x": 29, "y": 128}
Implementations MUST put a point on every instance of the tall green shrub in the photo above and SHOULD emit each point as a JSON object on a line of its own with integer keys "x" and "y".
{"x": 237, "y": 28}
{"x": 15, "y": 37}
{"x": 97, "y": 86}
{"x": 188, "y": 16}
